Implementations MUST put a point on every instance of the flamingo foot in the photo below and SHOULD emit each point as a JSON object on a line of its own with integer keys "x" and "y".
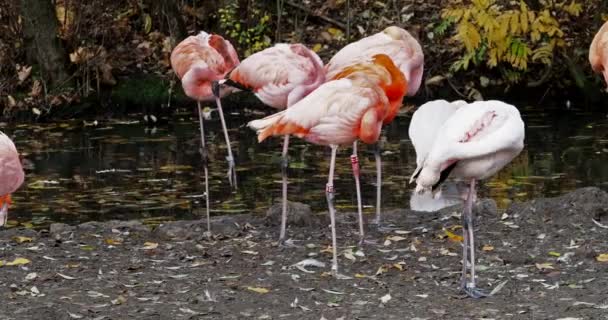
{"x": 474, "y": 292}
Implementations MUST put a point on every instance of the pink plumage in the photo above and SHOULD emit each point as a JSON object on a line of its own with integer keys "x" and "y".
{"x": 393, "y": 41}
{"x": 201, "y": 59}
{"x": 11, "y": 174}
{"x": 598, "y": 52}
{"x": 280, "y": 75}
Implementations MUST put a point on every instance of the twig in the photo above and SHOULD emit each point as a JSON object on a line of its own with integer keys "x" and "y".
{"x": 454, "y": 88}
{"x": 342, "y": 25}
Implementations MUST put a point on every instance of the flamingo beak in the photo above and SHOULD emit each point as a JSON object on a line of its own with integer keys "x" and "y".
{"x": 4, "y": 202}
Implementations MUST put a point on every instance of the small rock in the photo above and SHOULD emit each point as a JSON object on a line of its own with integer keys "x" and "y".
{"x": 298, "y": 214}
{"x": 57, "y": 228}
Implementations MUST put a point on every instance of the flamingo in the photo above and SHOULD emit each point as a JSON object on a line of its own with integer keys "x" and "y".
{"x": 11, "y": 174}
{"x": 197, "y": 61}
{"x": 598, "y": 52}
{"x": 279, "y": 76}
{"x": 407, "y": 55}
{"x": 470, "y": 142}
{"x": 350, "y": 106}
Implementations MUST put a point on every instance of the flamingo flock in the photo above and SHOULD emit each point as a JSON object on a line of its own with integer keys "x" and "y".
{"x": 350, "y": 99}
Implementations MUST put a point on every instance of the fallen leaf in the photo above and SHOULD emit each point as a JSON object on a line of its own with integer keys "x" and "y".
{"x": 555, "y": 254}
{"x": 21, "y": 239}
{"x": 113, "y": 242}
{"x": 18, "y": 262}
{"x": 381, "y": 270}
{"x": 487, "y": 247}
{"x": 258, "y": 289}
{"x": 65, "y": 277}
{"x": 317, "y": 47}
{"x": 385, "y": 298}
{"x": 396, "y": 238}
{"x": 150, "y": 245}
{"x": 602, "y": 257}
{"x": 452, "y": 236}
{"x": 253, "y": 253}
{"x": 544, "y": 266}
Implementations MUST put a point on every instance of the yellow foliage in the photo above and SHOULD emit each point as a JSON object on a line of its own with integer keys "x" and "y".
{"x": 511, "y": 36}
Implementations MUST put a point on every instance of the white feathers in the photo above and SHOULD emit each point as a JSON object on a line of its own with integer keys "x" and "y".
{"x": 482, "y": 137}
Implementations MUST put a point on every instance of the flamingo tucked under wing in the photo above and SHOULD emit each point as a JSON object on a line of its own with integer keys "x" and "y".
{"x": 350, "y": 106}
{"x": 197, "y": 61}
{"x": 470, "y": 142}
{"x": 407, "y": 55}
{"x": 11, "y": 174}
{"x": 280, "y": 76}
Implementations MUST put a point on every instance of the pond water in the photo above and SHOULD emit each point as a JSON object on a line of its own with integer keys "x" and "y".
{"x": 123, "y": 169}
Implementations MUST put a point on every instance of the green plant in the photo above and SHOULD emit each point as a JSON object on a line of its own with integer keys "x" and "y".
{"x": 251, "y": 33}
{"x": 509, "y": 36}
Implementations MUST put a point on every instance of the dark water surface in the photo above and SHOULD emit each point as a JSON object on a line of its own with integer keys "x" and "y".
{"x": 122, "y": 169}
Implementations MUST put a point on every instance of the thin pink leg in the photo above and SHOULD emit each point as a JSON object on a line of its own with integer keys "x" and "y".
{"x": 229, "y": 158}
{"x": 469, "y": 241}
{"x": 378, "y": 184}
{"x": 284, "y": 167}
{"x": 205, "y": 158}
{"x": 354, "y": 160}
{"x": 329, "y": 194}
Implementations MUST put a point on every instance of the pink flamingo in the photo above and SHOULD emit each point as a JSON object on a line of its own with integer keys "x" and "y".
{"x": 407, "y": 55}
{"x": 470, "y": 142}
{"x": 352, "y": 105}
{"x": 11, "y": 174}
{"x": 197, "y": 61}
{"x": 279, "y": 76}
{"x": 598, "y": 52}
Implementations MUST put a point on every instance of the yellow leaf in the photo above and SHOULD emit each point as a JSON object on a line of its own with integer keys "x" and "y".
{"x": 487, "y": 247}
{"x": 20, "y": 239}
{"x": 336, "y": 33}
{"x": 453, "y": 236}
{"x": 317, "y": 47}
{"x": 18, "y": 262}
{"x": 359, "y": 275}
{"x": 113, "y": 242}
{"x": 555, "y": 254}
{"x": 381, "y": 270}
{"x": 147, "y": 23}
{"x": 150, "y": 245}
{"x": 258, "y": 290}
{"x": 544, "y": 266}
{"x": 398, "y": 266}
{"x": 602, "y": 257}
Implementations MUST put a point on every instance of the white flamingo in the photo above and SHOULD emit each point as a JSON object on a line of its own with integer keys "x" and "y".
{"x": 470, "y": 142}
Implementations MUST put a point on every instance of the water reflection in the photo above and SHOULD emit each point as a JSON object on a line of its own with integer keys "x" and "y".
{"x": 123, "y": 169}
{"x": 451, "y": 193}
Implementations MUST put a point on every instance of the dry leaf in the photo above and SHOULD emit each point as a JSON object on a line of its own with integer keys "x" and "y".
{"x": 395, "y": 238}
{"x": 23, "y": 73}
{"x": 602, "y": 257}
{"x": 317, "y": 47}
{"x": 150, "y": 245}
{"x": 487, "y": 247}
{"x": 20, "y": 239}
{"x": 386, "y": 298}
{"x": 544, "y": 266}
{"x": 18, "y": 262}
{"x": 258, "y": 289}
{"x": 452, "y": 236}
{"x": 113, "y": 242}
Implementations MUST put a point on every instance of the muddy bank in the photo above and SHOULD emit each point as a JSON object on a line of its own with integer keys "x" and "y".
{"x": 542, "y": 257}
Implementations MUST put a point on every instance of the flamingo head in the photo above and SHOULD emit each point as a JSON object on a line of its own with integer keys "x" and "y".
{"x": 426, "y": 180}
{"x": 5, "y": 201}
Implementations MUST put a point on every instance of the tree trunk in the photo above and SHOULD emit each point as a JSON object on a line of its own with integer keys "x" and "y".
{"x": 41, "y": 42}
{"x": 166, "y": 12}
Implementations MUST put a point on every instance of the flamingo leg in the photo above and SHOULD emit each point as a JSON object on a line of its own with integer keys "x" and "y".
{"x": 354, "y": 160}
{"x": 378, "y": 183}
{"x": 469, "y": 286}
{"x": 284, "y": 167}
{"x": 205, "y": 158}
{"x": 329, "y": 194}
{"x": 229, "y": 158}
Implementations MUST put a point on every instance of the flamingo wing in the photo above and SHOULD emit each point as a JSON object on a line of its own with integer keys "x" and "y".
{"x": 598, "y": 48}
{"x": 426, "y": 123}
{"x": 11, "y": 171}
{"x": 332, "y": 114}
{"x": 275, "y": 72}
